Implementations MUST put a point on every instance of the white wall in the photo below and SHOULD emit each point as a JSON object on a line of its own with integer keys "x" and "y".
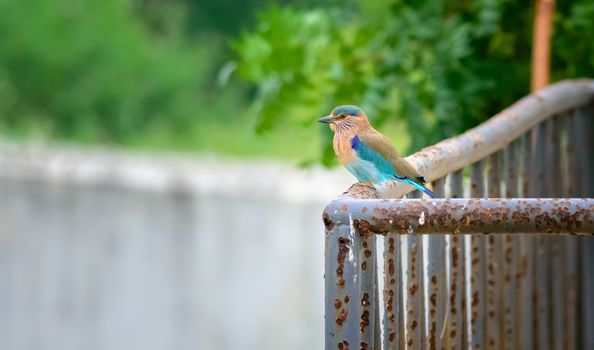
{"x": 104, "y": 250}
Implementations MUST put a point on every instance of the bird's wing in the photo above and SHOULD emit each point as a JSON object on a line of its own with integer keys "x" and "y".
{"x": 382, "y": 145}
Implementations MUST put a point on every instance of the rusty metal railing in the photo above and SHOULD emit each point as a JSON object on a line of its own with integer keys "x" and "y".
{"x": 473, "y": 270}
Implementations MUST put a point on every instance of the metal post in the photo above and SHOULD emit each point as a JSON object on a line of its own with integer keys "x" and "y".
{"x": 436, "y": 276}
{"x": 342, "y": 287}
{"x": 542, "y": 291}
{"x": 571, "y": 243}
{"x": 526, "y": 336}
{"x": 455, "y": 243}
{"x": 587, "y": 261}
{"x": 584, "y": 141}
{"x": 367, "y": 278}
{"x": 584, "y": 150}
{"x": 477, "y": 267}
{"x": 493, "y": 252}
{"x": 557, "y": 244}
{"x": 510, "y": 253}
{"x": 393, "y": 294}
{"x": 415, "y": 316}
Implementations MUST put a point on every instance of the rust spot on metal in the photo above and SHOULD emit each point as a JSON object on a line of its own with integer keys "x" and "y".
{"x": 475, "y": 299}
{"x": 344, "y": 345}
{"x": 342, "y": 317}
{"x": 344, "y": 208}
{"x": 365, "y": 300}
{"x": 432, "y": 336}
{"x": 391, "y": 268}
{"x": 347, "y": 299}
{"x": 364, "y": 265}
{"x": 367, "y": 253}
{"x": 412, "y": 289}
{"x": 364, "y": 320}
{"x": 343, "y": 249}
{"x": 392, "y": 337}
{"x": 328, "y": 223}
{"x": 364, "y": 346}
{"x": 454, "y": 252}
{"x": 337, "y": 303}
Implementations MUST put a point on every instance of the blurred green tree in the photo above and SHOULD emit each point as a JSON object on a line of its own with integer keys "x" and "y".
{"x": 95, "y": 70}
{"x": 441, "y": 65}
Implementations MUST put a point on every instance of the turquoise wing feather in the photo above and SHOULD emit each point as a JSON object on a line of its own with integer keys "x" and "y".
{"x": 388, "y": 164}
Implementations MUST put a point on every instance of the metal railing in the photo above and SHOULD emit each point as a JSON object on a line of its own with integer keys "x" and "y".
{"x": 490, "y": 273}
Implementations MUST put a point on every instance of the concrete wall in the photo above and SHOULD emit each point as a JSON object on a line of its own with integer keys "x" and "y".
{"x": 104, "y": 250}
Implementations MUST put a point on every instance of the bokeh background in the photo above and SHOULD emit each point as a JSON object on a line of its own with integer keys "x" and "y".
{"x": 161, "y": 172}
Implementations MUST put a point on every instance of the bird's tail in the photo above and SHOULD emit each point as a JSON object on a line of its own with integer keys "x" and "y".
{"x": 421, "y": 188}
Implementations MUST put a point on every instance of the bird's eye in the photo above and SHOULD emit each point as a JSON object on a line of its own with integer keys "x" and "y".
{"x": 340, "y": 117}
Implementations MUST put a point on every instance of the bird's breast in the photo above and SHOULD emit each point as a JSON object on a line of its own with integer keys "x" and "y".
{"x": 343, "y": 147}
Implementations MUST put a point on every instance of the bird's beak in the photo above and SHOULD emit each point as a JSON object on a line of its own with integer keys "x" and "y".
{"x": 325, "y": 119}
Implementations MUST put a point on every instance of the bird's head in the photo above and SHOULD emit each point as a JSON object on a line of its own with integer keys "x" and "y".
{"x": 345, "y": 117}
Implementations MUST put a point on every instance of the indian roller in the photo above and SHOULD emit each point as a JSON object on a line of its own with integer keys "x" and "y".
{"x": 366, "y": 153}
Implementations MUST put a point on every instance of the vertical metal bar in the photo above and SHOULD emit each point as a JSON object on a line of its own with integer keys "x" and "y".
{"x": 510, "y": 252}
{"x": 477, "y": 267}
{"x": 571, "y": 248}
{"x": 584, "y": 150}
{"x": 455, "y": 243}
{"x": 555, "y": 176}
{"x": 571, "y": 286}
{"x": 554, "y": 179}
{"x": 572, "y": 183}
{"x": 589, "y": 244}
{"x": 584, "y": 138}
{"x": 376, "y": 320}
{"x": 436, "y": 300}
{"x": 413, "y": 300}
{"x": 342, "y": 288}
{"x": 511, "y": 170}
{"x": 527, "y": 244}
{"x": 392, "y": 293}
{"x": 415, "y": 316}
{"x": 493, "y": 258}
{"x": 542, "y": 290}
{"x": 587, "y": 302}
{"x": 368, "y": 284}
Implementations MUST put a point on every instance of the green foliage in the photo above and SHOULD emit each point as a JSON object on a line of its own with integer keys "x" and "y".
{"x": 442, "y": 66}
{"x": 94, "y": 71}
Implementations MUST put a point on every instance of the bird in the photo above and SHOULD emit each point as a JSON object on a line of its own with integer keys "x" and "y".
{"x": 366, "y": 153}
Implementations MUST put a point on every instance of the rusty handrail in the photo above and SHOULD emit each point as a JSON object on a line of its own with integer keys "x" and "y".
{"x": 454, "y": 153}
{"x": 468, "y": 215}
